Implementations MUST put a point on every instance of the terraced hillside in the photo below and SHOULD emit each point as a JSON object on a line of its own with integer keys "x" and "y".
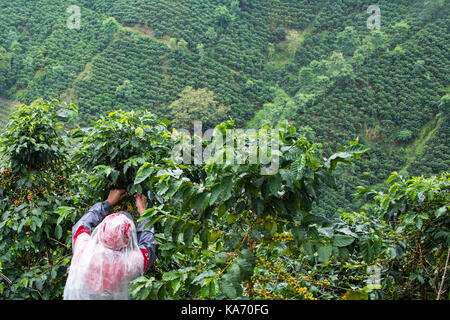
{"x": 317, "y": 64}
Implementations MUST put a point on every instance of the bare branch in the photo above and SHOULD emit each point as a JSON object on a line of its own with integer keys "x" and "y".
{"x": 443, "y": 276}
{"x": 5, "y": 278}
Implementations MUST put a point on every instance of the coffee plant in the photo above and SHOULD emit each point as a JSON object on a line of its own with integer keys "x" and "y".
{"x": 227, "y": 227}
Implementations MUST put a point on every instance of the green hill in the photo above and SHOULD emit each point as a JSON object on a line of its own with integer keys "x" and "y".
{"x": 6, "y": 106}
{"x": 315, "y": 64}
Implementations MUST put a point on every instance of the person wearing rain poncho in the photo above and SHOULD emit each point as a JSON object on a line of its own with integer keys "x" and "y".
{"x": 105, "y": 262}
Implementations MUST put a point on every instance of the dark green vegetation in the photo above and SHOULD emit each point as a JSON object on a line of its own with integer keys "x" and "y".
{"x": 311, "y": 64}
{"x": 223, "y": 230}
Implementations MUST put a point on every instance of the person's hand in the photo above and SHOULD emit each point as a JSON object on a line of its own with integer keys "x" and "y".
{"x": 116, "y": 195}
{"x": 141, "y": 203}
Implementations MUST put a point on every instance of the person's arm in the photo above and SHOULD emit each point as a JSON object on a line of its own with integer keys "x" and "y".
{"x": 145, "y": 236}
{"x": 96, "y": 214}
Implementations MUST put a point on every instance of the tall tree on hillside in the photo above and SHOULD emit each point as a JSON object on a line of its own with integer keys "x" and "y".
{"x": 222, "y": 16}
{"x": 196, "y": 105}
{"x": 110, "y": 26}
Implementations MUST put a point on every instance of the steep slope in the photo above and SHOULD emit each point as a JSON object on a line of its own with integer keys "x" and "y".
{"x": 6, "y": 107}
{"x": 313, "y": 63}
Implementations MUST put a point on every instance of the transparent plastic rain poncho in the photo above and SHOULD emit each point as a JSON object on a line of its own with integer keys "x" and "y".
{"x": 104, "y": 264}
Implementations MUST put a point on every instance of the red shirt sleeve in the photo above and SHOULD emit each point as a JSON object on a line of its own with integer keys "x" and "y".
{"x": 146, "y": 257}
{"x": 80, "y": 230}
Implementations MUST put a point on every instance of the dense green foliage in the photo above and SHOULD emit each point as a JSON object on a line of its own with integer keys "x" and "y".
{"x": 311, "y": 65}
{"x": 223, "y": 229}
{"x": 35, "y": 186}
{"x": 418, "y": 209}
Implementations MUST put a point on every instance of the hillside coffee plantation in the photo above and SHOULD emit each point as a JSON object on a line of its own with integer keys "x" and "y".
{"x": 347, "y": 100}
